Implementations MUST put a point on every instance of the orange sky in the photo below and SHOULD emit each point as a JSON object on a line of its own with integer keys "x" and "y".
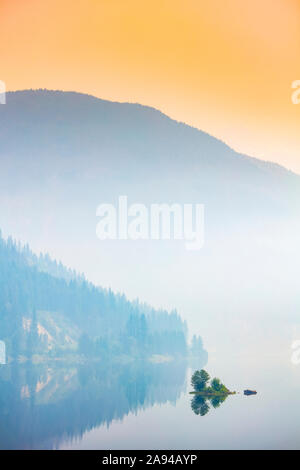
{"x": 224, "y": 66}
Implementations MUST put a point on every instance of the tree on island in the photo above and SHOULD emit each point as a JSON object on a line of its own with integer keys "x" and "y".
{"x": 199, "y": 380}
{"x": 216, "y": 384}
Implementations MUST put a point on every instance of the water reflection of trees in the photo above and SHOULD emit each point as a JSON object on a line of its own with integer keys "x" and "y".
{"x": 201, "y": 404}
{"x": 41, "y": 405}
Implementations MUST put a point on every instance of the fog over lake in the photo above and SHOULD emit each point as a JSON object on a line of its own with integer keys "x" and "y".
{"x": 87, "y": 364}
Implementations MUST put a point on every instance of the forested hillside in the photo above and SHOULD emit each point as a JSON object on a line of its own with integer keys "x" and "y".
{"x": 62, "y": 313}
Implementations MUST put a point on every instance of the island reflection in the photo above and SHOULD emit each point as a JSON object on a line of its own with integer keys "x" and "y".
{"x": 207, "y": 392}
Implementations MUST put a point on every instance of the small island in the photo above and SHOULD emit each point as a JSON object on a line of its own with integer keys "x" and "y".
{"x": 200, "y": 381}
{"x": 207, "y": 392}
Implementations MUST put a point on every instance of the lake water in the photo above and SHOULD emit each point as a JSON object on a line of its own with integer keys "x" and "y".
{"x": 144, "y": 405}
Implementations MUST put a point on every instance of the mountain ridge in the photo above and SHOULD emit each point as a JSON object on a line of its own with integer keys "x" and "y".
{"x": 265, "y": 164}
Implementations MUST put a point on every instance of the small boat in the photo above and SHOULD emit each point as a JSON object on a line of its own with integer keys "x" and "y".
{"x": 250, "y": 392}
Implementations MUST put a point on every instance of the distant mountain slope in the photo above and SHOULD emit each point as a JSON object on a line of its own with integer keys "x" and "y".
{"x": 79, "y": 148}
{"x": 47, "y": 135}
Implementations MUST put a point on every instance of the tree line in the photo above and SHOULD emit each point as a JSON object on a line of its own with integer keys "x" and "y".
{"x": 33, "y": 287}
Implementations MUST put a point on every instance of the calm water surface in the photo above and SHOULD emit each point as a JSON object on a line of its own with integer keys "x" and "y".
{"x": 148, "y": 406}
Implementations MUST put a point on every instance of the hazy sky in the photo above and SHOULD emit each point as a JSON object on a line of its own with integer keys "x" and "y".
{"x": 224, "y": 66}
